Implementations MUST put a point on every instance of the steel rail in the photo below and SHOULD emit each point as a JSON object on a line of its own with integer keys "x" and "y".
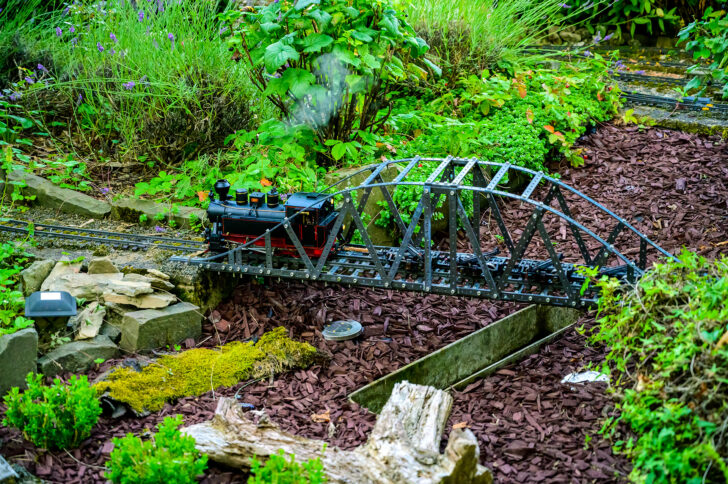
{"x": 115, "y": 239}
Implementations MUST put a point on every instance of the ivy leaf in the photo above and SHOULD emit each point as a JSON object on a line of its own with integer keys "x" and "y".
{"x": 316, "y": 42}
{"x": 278, "y": 54}
{"x": 302, "y": 4}
{"x": 694, "y": 83}
{"x": 351, "y": 12}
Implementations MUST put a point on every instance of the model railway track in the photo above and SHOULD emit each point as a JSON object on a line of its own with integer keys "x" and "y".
{"x": 689, "y": 103}
{"x": 114, "y": 239}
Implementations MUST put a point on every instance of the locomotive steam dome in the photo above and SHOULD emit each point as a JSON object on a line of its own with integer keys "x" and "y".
{"x": 222, "y": 187}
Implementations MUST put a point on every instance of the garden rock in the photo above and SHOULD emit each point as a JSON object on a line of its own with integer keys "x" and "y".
{"x": 87, "y": 323}
{"x": 145, "y": 301}
{"x": 155, "y": 282}
{"x": 102, "y": 265}
{"x": 52, "y": 196}
{"x": 130, "y": 288}
{"x": 87, "y": 286}
{"x": 113, "y": 332}
{"x": 77, "y": 356}
{"x": 154, "y": 328}
{"x": 158, "y": 274}
{"x": 570, "y": 37}
{"x": 18, "y": 357}
{"x": 61, "y": 268}
{"x": 130, "y": 209}
{"x": 32, "y": 277}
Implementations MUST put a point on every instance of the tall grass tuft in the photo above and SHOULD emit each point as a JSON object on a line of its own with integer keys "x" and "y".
{"x": 480, "y": 33}
{"x": 143, "y": 78}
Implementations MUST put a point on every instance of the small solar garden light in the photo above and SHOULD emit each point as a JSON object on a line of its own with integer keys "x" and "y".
{"x": 50, "y": 308}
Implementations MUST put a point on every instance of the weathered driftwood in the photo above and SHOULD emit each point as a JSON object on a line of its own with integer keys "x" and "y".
{"x": 402, "y": 447}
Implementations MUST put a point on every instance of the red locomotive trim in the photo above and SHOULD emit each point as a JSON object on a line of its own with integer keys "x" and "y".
{"x": 275, "y": 242}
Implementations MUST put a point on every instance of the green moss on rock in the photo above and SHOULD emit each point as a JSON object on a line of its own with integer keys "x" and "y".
{"x": 197, "y": 371}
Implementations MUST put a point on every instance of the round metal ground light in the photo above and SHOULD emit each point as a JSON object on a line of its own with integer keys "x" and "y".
{"x": 342, "y": 330}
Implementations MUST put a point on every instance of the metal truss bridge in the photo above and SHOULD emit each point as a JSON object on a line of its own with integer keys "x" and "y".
{"x": 521, "y": 261}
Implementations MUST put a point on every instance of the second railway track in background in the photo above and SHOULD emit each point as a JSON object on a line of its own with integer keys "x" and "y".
{"x": 120, "y": 240}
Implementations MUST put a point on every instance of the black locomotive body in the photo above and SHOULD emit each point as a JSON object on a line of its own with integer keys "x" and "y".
{"x": 247, "y": 216}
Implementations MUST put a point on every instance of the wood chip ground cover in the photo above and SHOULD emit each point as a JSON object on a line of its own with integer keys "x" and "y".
{"x": 530, "y": 427}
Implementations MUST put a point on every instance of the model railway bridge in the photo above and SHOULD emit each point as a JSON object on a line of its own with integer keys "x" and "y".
{"x": 525, "y": 264}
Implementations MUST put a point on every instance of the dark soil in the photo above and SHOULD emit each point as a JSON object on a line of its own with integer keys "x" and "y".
{"x": 531, "y": 428}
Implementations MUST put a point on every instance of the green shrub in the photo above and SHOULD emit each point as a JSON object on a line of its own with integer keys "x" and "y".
{"x": 328, "y": 64}
{"x": 281, "y": 471}
{"x": 708, "y": 39}
{"x": 59, "y": 416}
{"x": 12, "y": 302}
{"x": 168, "y": 457}
{"x": 667, "y": 339}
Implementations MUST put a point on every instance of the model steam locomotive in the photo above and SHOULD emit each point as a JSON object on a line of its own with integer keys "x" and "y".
{"x": 247, "y": 216}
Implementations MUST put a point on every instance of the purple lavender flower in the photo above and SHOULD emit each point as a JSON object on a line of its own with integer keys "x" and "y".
{"x": 129, "y": 85}
{"x": 79, "y": 100}
{"x": 639, "y": 72}
{"x": 29, "y": 80}
{"x": 141, "y": 15}
{"x": 72, "y": 29}
{"x": 66, "y": 10}
{"x": 99, "y": 46}
{"x": 563, "y": 5}
{"x": 104, "y": 190}
{"x": 609, "y": 36}
{"x": 587, "y": 53}
{"x": 597, "y": 38}
{"x": 170, "y": 36}
{"x": 113, "y": 37}
{"x": 74, "y": 41}
{"x": 157, "y": 228}
{"x": 14, "y": 96}
{"x": 42, "y": 68}
{"x": 59, "y": 31}
{"x": 112, "y": 51}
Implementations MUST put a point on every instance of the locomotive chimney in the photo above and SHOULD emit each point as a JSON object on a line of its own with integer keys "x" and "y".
{"x": 222, "y": 187}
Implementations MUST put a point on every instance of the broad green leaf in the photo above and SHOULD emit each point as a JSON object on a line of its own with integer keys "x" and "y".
{"x": 301, "y": 4}
{"x": 278, "y": 54}
{"x": 371, "y": 61}
{"x": 321, "y": 17}
{"x": 298, "y": 81}
{"x": 316, "y": 42}
{"x": 362, "y": 36}
{"x": 694, "y": 83}
{"x": 346, "y": 56}
{"x": 351, "y": 12}
{"x": 338, "y": 151}
{"x": 435, "y": 68}
{"x": 357, "y": 83}
{"x": 276, "y": 86}
{"x": 269, "y": 27}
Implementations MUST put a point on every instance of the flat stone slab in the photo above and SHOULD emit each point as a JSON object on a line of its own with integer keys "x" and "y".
{"x": 77, "y": 356}
{"x": 130, "y": 209}
{"x": 154, "y": 328}
{"x": 18, "y": 357}
{"x": 145, "y": 301}
{"x": 82, "y": 285}
{"x": 102, "y": 265}
{"x": 63, "y": 199}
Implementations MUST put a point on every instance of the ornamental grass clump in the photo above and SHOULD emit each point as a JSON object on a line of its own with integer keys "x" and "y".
{"x": 59, "y": 416}
{"x": 668, "y": 340}
{"x": 168, "y": 457}
{"x": 197, "y": 371}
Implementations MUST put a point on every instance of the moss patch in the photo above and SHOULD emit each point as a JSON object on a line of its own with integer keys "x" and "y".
{"x": 197, "y": 371}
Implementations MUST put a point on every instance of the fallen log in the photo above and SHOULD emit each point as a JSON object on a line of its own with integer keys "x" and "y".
{"x": 402, "y": 447}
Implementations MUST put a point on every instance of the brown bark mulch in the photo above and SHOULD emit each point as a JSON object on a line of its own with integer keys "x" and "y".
{"x": 531, "y": 428}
